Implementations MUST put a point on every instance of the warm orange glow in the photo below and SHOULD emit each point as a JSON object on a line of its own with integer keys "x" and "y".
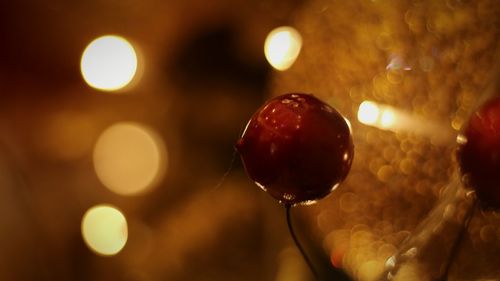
{"x": 368, "y": 113}
{"x": 129, "y": 158}
{"x": 109, "y": 63}
{"x": 67, "y": 135}
{"x": 383, "y": 116}
{"x": 386, "y": 117}
{"x": 282, "y": 47}
{"x": 380, "y": 116}
{"x": 104, "y": 230}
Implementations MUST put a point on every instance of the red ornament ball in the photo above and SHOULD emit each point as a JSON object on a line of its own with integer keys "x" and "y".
{"x": 479, "y": 153}
{"x": 297, "y": 148}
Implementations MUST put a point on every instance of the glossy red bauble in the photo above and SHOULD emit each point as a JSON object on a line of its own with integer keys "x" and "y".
{"x": 479, "y": 153}
{"x": 297, "y": 148}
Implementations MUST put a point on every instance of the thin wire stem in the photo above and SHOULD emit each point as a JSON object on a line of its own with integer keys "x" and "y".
{"x": 228, "y": 171}
{"x": 458, "y": 240}
{"x": 297, "y": 243}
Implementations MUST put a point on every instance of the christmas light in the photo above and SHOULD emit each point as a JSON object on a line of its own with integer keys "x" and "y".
{"x": 380, "y": 116}
{"x": 282, "y": 47}
{"x": 386, "y": 117}
{"x": 368, "y": 113}
{"x": 104, "y": 230}
{"x": 129, "y": 158}
{"x": 109, "y": 63}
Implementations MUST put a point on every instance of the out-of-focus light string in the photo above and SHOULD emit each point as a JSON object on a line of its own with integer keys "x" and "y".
{"x": 386, "y": 117}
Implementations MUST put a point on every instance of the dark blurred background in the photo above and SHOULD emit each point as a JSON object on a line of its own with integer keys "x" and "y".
{"x": 156, "y": 158}
{"x": 203, "y": 74}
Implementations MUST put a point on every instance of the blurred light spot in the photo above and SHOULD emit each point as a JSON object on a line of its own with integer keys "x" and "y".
{"x": 388, "y": 118}
{"x": 337, "y": 256}
{"x": 397, "y": 63}
{"x": 378, "y": 115}
{"x": 449, "y": 212}
{"x": 109, "y": 63}
{"x": 385, "y": 173}
{"x": 390, "y": 263}
{"x": 461, "y": 139}
{"x": 457, "y": 123}
{"x": 129, "y": 158}
{"x": 104, "y": 230}
{"x": 345, "y": 156}
{"x": 368, "y": 113}
{"x": 394, "y": 63}
{"x": 410, "y": 253}
{"x": 282, "y": 47}
{"x": 370, "y": 270}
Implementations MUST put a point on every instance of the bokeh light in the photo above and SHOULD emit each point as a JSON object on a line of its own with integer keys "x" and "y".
{"x": 104, "y": 230}
{"x": 368, "y": 113}
{"x": 129, "y": 158}
{"x": 388, "y": 118}
{"x": 109, "y": 63}
{"x": 282, "y": 47}
{"x": 381, "y": 116}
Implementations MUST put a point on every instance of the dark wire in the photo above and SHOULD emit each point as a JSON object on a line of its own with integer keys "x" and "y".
{"x": 297, "y": 243}
{"x": 222, "y": 180}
